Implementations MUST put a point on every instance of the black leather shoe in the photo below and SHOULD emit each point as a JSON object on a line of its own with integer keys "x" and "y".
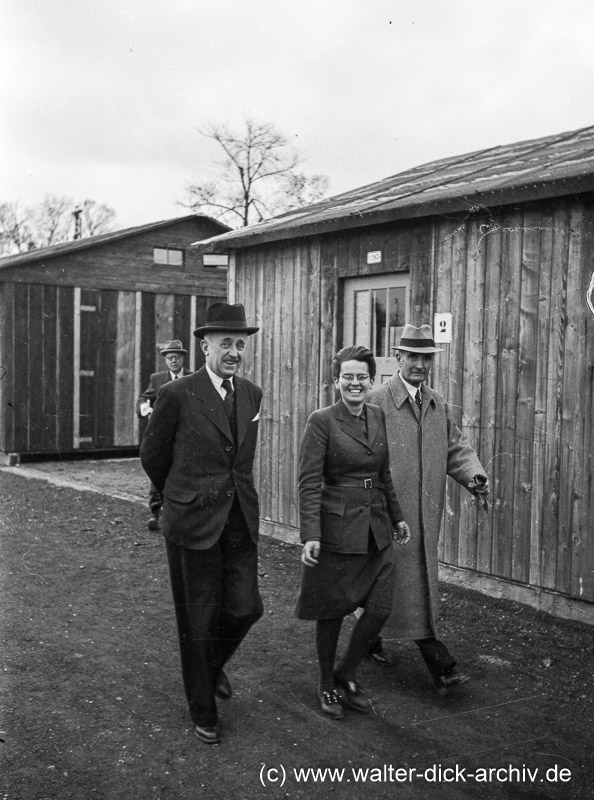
{"x": 450, "y": 679}
{"x": 153, "y": 523}
{"x": 352, "y": 694}
{"x": 224, "y": 690}
{"x": 209, "y": 734}
{"x": 379, "y": 655}
{"x": 331, "y": 704}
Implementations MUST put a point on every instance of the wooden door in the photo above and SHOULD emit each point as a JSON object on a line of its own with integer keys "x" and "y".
{"x": 375, "y": 311}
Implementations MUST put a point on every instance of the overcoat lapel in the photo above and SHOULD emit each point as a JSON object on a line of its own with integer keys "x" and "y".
{"x": 400, "y": 395}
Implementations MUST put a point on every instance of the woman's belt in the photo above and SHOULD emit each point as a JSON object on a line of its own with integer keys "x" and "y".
{"x": 355, "y": 483}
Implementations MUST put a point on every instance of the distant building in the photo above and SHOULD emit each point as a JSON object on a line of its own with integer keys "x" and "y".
{"x": 503, "y": 241}
{"x": 80, "y": 328}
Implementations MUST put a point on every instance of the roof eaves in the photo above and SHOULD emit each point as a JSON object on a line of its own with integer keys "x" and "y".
{"x": 413, "y": 208}
{"x": 76, "y": 245}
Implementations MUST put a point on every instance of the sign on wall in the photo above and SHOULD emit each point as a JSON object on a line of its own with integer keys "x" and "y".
{"x": 442, "y": 328}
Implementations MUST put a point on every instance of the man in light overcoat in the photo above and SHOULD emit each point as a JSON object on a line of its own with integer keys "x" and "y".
{"x": 198, "y": 451}
{"x": 425, "y": 447}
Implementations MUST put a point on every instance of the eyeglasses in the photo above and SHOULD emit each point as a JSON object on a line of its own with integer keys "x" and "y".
{"x": 361, "y": 378}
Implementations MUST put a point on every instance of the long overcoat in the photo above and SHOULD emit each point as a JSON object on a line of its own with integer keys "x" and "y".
{"x": 193, "y": 460}
{"x": 424, "y": 448}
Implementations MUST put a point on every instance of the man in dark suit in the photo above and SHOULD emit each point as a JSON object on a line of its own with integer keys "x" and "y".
{"x": 198, "y": 451}
{"x": 174, "y": 354}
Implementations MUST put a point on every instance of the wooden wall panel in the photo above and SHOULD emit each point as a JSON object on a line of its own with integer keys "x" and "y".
{"x": 125, "y": 427}
{"x": 7, "y": 362}
{"x": 201, "y": 305}
{"x": 148, "y": 346}
{"x": 35, "y": 376}
{"x": 554, "y": 397}
{"x": 22, "y": 397}
{"x": 181, "y": 318}
{"x": 513, "y": 279}
{"x": 280, "y": 288}
{"x": 164, "y": 312}
{"x": 492, "y": 245}
{"x": 49, "y": 368}
{"x": 526, "y": 388}
{"x": 471, "y": 369}
{"x": 506, "y": 399}
{"x": 454, "y": 388}
{"x": 106, "y": 369}
{"x": 582, "y": 584}
{"x": 572, "y": 430}
{"x": 65, "y": 367}
{"x": 285, "y": 292}
{"x": 541, "y": 378}
{"x": 440, "y": 374}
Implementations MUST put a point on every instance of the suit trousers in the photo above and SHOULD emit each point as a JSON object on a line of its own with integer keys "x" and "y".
{"x": 436, "y": 656}
{"x": 155, "y": 500}
{"x": 216, "y": 598}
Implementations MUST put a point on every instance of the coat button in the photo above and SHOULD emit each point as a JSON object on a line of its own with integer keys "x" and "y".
{"x": 229, "y": 494}
{"x": 228, "y": 448}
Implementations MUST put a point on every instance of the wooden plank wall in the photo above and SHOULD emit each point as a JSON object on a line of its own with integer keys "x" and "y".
{"x": 519, "y": 373}
{"x": 50, "y": 404}
{"x": 35, "y": 414}
{"x": 280, "y": 287}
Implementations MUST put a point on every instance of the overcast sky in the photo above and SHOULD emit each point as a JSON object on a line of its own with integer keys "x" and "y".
{"x": 102, "y": 99}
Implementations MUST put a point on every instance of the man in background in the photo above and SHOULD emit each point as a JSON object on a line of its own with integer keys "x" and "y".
{"x": 174, "y": 354}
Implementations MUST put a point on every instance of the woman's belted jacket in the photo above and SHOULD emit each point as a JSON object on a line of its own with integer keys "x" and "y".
{"x": 346, "y": 492}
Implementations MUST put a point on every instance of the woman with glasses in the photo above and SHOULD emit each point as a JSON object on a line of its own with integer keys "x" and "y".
{"x": 350, "y": 517}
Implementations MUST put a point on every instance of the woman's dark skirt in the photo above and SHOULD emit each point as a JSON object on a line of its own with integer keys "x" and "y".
{"x": 340, "y": 583}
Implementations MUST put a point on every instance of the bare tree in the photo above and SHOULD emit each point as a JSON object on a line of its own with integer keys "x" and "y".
{"x": 51, "y": 222}
{"x": 298, "y": 190}
{"x": 258, "y": 178}
{"x": 16, "y": 235}
{"x": 97, "y": 218}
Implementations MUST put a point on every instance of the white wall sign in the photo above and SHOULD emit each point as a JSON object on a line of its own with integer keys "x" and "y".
{"x": 442, "y": 328}
{"x": 374, "y": 257}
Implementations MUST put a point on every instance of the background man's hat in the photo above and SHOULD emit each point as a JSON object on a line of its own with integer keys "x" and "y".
{"x": 418, "y": 340}
{"x": 173, "y": 346}
{"x": 225, "y": 317}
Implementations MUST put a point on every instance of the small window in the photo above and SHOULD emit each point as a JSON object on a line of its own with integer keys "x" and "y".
{"x": 168, "y": 256}
{"x": 215, "y": 261}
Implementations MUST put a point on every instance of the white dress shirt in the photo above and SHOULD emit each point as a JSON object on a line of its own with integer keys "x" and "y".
{"x": 217, "y": 382}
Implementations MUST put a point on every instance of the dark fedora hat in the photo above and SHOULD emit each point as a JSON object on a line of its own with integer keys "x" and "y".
{"x": 225, "y": 317}
{"x": 172, "y": 346}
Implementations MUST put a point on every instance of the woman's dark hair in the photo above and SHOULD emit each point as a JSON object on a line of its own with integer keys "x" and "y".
{"x": 354, "y": 353}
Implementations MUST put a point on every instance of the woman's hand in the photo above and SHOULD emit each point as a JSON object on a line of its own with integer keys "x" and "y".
{"x": 402, "y": 533}
{"x": 310, "y": 553}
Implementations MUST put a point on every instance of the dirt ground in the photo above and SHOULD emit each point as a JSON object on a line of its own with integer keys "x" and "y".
{"x": 92, "y": 702}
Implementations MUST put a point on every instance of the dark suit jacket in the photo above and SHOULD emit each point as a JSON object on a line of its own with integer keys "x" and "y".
{"x": 190, "y": 456}
{"x": 157, "y": 380}
{"x": 335, "y": 449}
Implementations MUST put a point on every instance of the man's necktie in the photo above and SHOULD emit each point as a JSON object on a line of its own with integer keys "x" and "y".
{"x": 418, "y": 399}
{"x": 229, "y": 403}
